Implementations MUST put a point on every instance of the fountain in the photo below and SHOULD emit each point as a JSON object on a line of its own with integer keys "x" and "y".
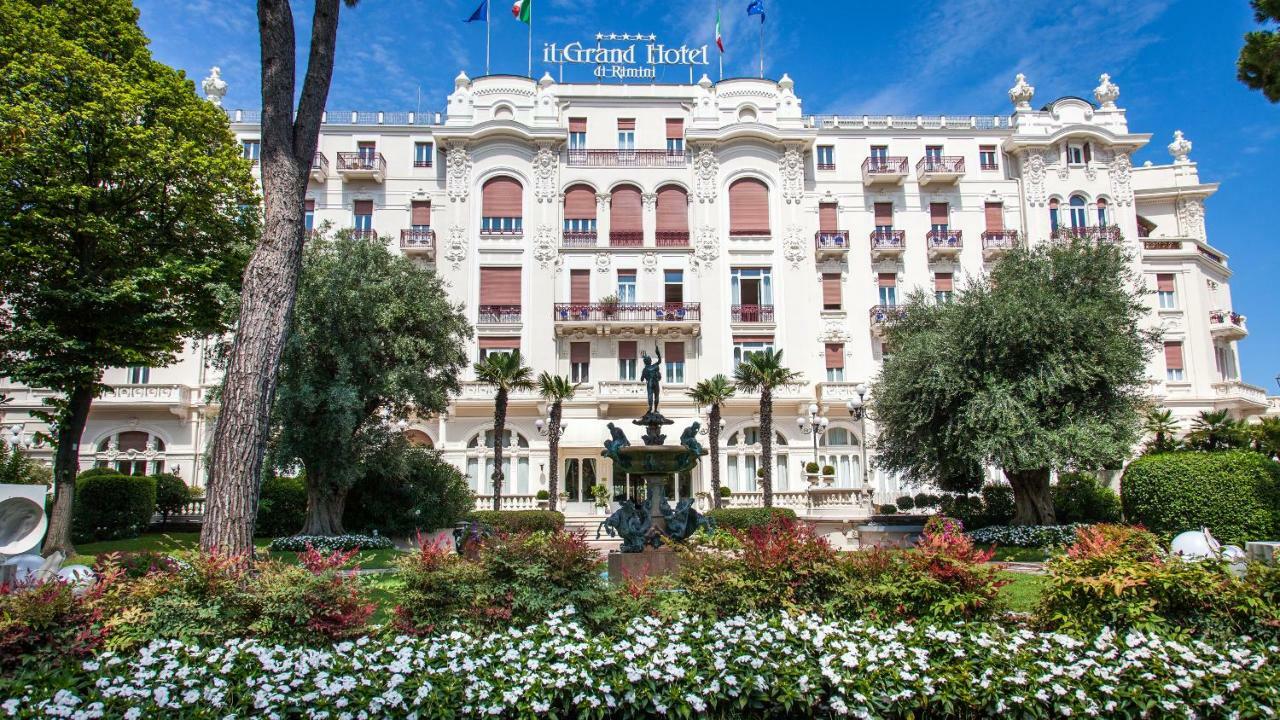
{"x": 646, "y": 531}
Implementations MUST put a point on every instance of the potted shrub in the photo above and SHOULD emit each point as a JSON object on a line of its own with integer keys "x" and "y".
{"x": 609, "y": 305}
{"x": 725, "y": 492}
{"x": 828, "y": 475}
{"x": 601, "y": 494}
{"x": 544, "y": 498}
{"x": 811, "y": 474}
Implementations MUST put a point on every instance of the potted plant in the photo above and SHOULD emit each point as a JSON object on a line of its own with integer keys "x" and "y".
{"x": 725, "y": 492}
{"x": 609, "y": 305}
{"x": 828, "y": 475}
{"x": 811, "y": 474}
{"x": 543, "y": 498}
{"x": 601, "y": 494}
{"x": 703, "y": 498}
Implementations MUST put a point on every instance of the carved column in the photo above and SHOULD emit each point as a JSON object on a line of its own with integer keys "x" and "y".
{"x": 649, "y": 220}
{"x": 602, "y": 219}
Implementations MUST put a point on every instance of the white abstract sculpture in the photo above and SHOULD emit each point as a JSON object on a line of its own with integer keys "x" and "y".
{"x": 1195, "y": 545}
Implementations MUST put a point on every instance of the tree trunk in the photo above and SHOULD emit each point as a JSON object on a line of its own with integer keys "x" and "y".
{"x": 499, "y": 429}
{"x": 554, "y": 435}
{"x": 325, "y": 505}
{"x": 766, "y": 446}
{"x": 1031, "y": 496}
{"x": 713, "y": 438}
{"x": 66, "y": 465}
{"x": 271, "y": 277}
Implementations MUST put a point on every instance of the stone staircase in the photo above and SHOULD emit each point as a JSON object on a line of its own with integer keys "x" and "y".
{"x": 587, "y": 525}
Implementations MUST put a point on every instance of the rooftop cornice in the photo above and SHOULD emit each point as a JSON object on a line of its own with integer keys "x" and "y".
{"x": 1133, "y": 141}
{"x": 500, "y": 128}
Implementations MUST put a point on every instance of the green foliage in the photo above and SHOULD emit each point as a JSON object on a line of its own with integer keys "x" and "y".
{"x": 1234, "y": 493}
{"x": 51, "y": 624}
{"x": 812, "y": 468}
{"x": 1216, "y": 430}
{"x": 1162, "y": 431}
{"x": 906, "y": 502}
{"x": 725, "y": 491}
{"x": 887, "y": 509}
{"x": 517, "y": 521}
{"x": 18, "y": 469}
{"x": 1265, "y": 437}
{"x": 747, "y": 518}
{"x": 113, "y": 506}
{"x": 282, "y": 505}
{"x": 542, "y": 495}
{"x": 1081, "y": 498}
{"x": 1040, "y": 365}
{"x": 1258, "y": 66}
{"x": 96, "y": 471}
{"x": 407, "y": 490}
{"x": 993, "y": 505}
{"x": 171, "y": 494}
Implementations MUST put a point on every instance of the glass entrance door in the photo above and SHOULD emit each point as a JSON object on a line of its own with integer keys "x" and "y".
{"x": 579, "y": 477}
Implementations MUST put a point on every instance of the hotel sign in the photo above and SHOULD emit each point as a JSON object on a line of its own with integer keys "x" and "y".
{"x": 638, "y": 59}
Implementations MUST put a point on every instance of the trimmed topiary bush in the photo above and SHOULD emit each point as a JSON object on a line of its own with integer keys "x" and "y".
{"x": 888, "y": 509}
{"x": 542, "y": 495}
{"x": 96, "y": 472}
{"x": 725, "y": 491}
{"x": 112, "y": 506}
{"x": 171, "y": 494}
{"x": 517, "y": 521}
{"x": 1234, "y": 493}
{"x": 1081, "y": 498}
{"x": 906, "y": 502}
{"x": 745, "y": 518}
{"x": 282, "y": 506}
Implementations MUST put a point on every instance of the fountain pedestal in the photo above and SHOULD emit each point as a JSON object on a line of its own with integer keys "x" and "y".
{"x": 651, "y": 560}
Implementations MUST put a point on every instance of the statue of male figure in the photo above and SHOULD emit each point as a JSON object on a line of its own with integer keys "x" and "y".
{"x": 652, "y": 377}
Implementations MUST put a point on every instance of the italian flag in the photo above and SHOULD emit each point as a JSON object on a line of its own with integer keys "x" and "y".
{"x": 719, "y": 39}
{"x": 520, "y": 9}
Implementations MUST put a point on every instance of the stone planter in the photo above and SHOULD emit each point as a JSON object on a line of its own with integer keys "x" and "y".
{"x": 813, "y": 479}
{"x": 828, "y": 480}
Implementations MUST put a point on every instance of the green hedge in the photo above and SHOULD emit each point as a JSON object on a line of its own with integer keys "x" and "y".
{"x": 282, "y": 506}
{"x": 413, "y": 491}
{"x": 1234, "y": 493}
{"x": 516, "y": 521}
{"x": 745, "y": 518}
{"x": 112, "y": 506}
{"x": 1080, "y": 498}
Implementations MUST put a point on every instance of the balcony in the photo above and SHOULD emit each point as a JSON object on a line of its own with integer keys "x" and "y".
{"x": 672, "y": 238}
{"x": 142, "y": 396}
{"x": 366, "y": 234}
{"x": 362, "y": 166}
{"x": 831, "y": 245}
{"x": 319, "y": 168}
{"x": 626, "y": 238}
{"x": 578, "y": 238}
{"x": 1227, "y": 325}
{"x": 998, "y": 242}
{"x": 1093, "y": 233}
{"x": 498, "y": 315}
{"x": 751, "y": 313}
{"x": 418, "y": 241}
{"x": 1238, "y": 395}
{"x": 945, "y": 169}
{"x": 626, "y": 158}
{"x": 887, "y": 244}
{"x": 641, "y": 318}
{"x": 944, "y": 244}
{"x": 884, "y": 170}
{"x": 882, "y": 316}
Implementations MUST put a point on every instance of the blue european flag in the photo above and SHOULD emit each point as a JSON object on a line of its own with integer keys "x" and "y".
{"x": 481, "y": 14}
{"x": 756, "y": 7}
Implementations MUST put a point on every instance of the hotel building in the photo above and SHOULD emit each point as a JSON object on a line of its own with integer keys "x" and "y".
{"x": 586, "y": 224}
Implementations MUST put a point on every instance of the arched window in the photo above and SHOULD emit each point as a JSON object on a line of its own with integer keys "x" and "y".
{"x": 132, "y": 452}
{"x": 838, "y": 447}
{"x": 1054, "y": 221}
{"x": 1102, "y": 212}
{"x": 515, "y": 463}
{"x": 748, "y": 208}
{"x": 503, "y": 112}
{"x": 673, "y": 216}
{"x": 743, "y": 460}
{"x": 580, "y": 216}
{"x": 417, "y": 438}
{"x": 1079, "y": 218}
{"x": 626, "y": 228}
{"x": 502, "y": 207}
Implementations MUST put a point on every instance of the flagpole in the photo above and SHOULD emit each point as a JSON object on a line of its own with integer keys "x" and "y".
{"x": 761, "y": 47}
{"x": 718, "y": 38}
{"x": 530, "y": 39}
{"x": 488, "y": 19}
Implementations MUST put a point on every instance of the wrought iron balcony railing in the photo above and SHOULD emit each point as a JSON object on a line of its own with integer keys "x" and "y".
{"x": 940, "y": 165}
{"x": 1097, "y": 233}
{"x": 751, "y": 313}
{"x": 944, "y": 239}
{"x": 627, "y": 312}
{"x": 672, "y": 238}
{"x": 578, "y": 238}
{"x": 885, "y": 314}
{"x": 494, "y": 314}
{"x": 884, "y": 166}
{"x": 831, "y": 240}
{"x": 362, "y": 161}
{"x": 626, "y": 158}
{"x": 999, "y": 239}
{"x": 369, "y": 234}
{"x": 888, "y": 239}
{"x": 417, "y": 238}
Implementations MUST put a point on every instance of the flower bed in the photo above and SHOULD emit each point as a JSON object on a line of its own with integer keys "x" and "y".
{"x": 1026, "y": 536}
{"x": 299, "y": 543}
{"x": 772, "y": 665}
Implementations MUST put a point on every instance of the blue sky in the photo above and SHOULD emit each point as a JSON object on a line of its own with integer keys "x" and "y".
{"x": 1173, "y": 60}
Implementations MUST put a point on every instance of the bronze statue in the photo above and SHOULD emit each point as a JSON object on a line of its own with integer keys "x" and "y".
{"x": 689, "y": 439}
{"x": 617, "y": 442}
{"x": 652, "y": 377}
{"x": 632, "y": 524}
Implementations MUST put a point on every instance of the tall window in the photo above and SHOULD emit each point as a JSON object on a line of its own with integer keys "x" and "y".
{"x": 420, "y": 215}
{"x": 831, "y": 295}
{"x": 502, "y": 207}
{"x": 751, "y": 287}
{"x": 826, "y": 157}
{"x": 580, "y": 212}
{"x": 251, "y": 149}
{"x": 884, "y": 217}
{"x": 942, "y": 287}
{"x": 139, "y": 375}
{"x": 368, "y": 151}
{"x": 1165, "y": 293}
{"x": 626, "y": 286}
{"x": 626, "y": 134}
{"x": 1173, "y": 362}
{"x": 627, "y": 360}
{"x": 748, "y": 208}
{"x": 743, "y": 347}
{"x": 363, "y": 211}
{"x": 577, "y": 133}
{"x": 744, "y": 451}
{"x": 987, "y": 157}
{"x": 1054, "y": 221}
{"x": 879, "y": 155}
{"x": 1077, "y": 154}
{"x": 933, "y": 155}
{"x": 675, "y": 137}
{"x": 673, "y": 361}
{"x": 1079, "y": 218}
{"x": 580, "y": 362}
{"x": 834, "y": 353}
{"x": 673, "y": 286}
{"x": 422, "y": 154}
{"x": 838, "y": 447}
{"x": 132, "y": 452}
{"x": 888, "y": 289}
{"x": 309, "y": 214}
{"x": 515, "y": 457}
{"x": 1226, "y": 361}
{"x": 939, "y": 219}
{"x": 1102, "y": 213}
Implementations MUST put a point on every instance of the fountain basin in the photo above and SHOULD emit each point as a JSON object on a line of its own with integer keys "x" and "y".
{"x": 655, "y": 459}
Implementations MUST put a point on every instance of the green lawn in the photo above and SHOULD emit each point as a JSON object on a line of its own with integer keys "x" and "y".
{"x": 1023, "y": 591}
{"x": 1018, "y": 554}
{"x": 177, "y": 541}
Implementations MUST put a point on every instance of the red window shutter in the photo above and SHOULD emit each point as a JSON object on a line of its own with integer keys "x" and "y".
{"x": 938, "y": 213}
{"x": 421, "y": 213}
{"x": 888, "y": 279}
{"x": 132, "y": 440}
{"x": 827, "y": 218}
{"x": 673, "y": 352}
{"x": 580, "y": 352}
{"x": 1173, "y": 355}
{"x": 500, "y": 286}
{"x": 579, "y": 287}
{"x": 995, "y": 217}
{"x": 577, "y": 125}
{"x": 749, "y": 207}
{"x": 1164, "y": 282}
{"x": 752, "y": 338}
{"x": 499, "y": 343}
{"x": 835, "y": 356}
{"x": 310, "y": 205}
{"x": 831, "y": 291}
{"x": 675, "y": 128}
{"x": 580, "y": 203}
{"x": 503, "y": 197}
{"x": 364, "y": 207}
{"x": 625, "y": 210}
{"x": 1053, "y": 204}
{"x": 626, "y": 123}
{"x": 673, "y": 209}
{"x": 884, "y": 214}
{"x": 942, "y": 282}
{"x": 627, "y": 350}
{"x": 1088, "y": 153}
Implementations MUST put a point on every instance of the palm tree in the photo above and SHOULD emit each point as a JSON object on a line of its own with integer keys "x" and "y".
{"x": 762, "y": 372}
{"x": 713, "y": 392}
{"x": 506, "y": 372}
{"x": 555, "y": 389}
{"x": 1215, "y": 430}
{"x": 1266, "y": 436}
{"x": 1162, "y": 428}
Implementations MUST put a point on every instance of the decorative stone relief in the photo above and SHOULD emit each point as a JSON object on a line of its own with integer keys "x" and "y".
{"x": 792, "y": 246}
{"x": 705, "y": 170}
{"x": 649, "y": 261}
{"x": 650, "y": 201}
{"x": 602, "y": 262}
{"x": 456, "y": 250}
{"x": 458, "y": 175}
{"x": 1191, "y": 218}
{"x": 1180, "y": 148}
{"x": 1033, "y": 170}
{"x": 1021, "y": 93}
{"x": 1106, "y": 92}
{"x": 1121, "y": 179}
{"x": 834, "y": 331}
{"x": 1090, "y": 172}
{"x": 544, "y": 248}
{"x": 706, "y": 248}
{"x": 792, "y": 167}
{"x": 544, "y": 174}
{"x": 215, "y": 88}
{"x": 602, "y": 202}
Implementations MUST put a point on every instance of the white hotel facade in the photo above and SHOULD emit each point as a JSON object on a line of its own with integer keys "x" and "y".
{"x": 586, "y": 223}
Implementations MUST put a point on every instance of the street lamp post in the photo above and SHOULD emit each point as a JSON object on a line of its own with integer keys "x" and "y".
{"x": 858, "y": 411}
{"x": 813, "y": 424}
